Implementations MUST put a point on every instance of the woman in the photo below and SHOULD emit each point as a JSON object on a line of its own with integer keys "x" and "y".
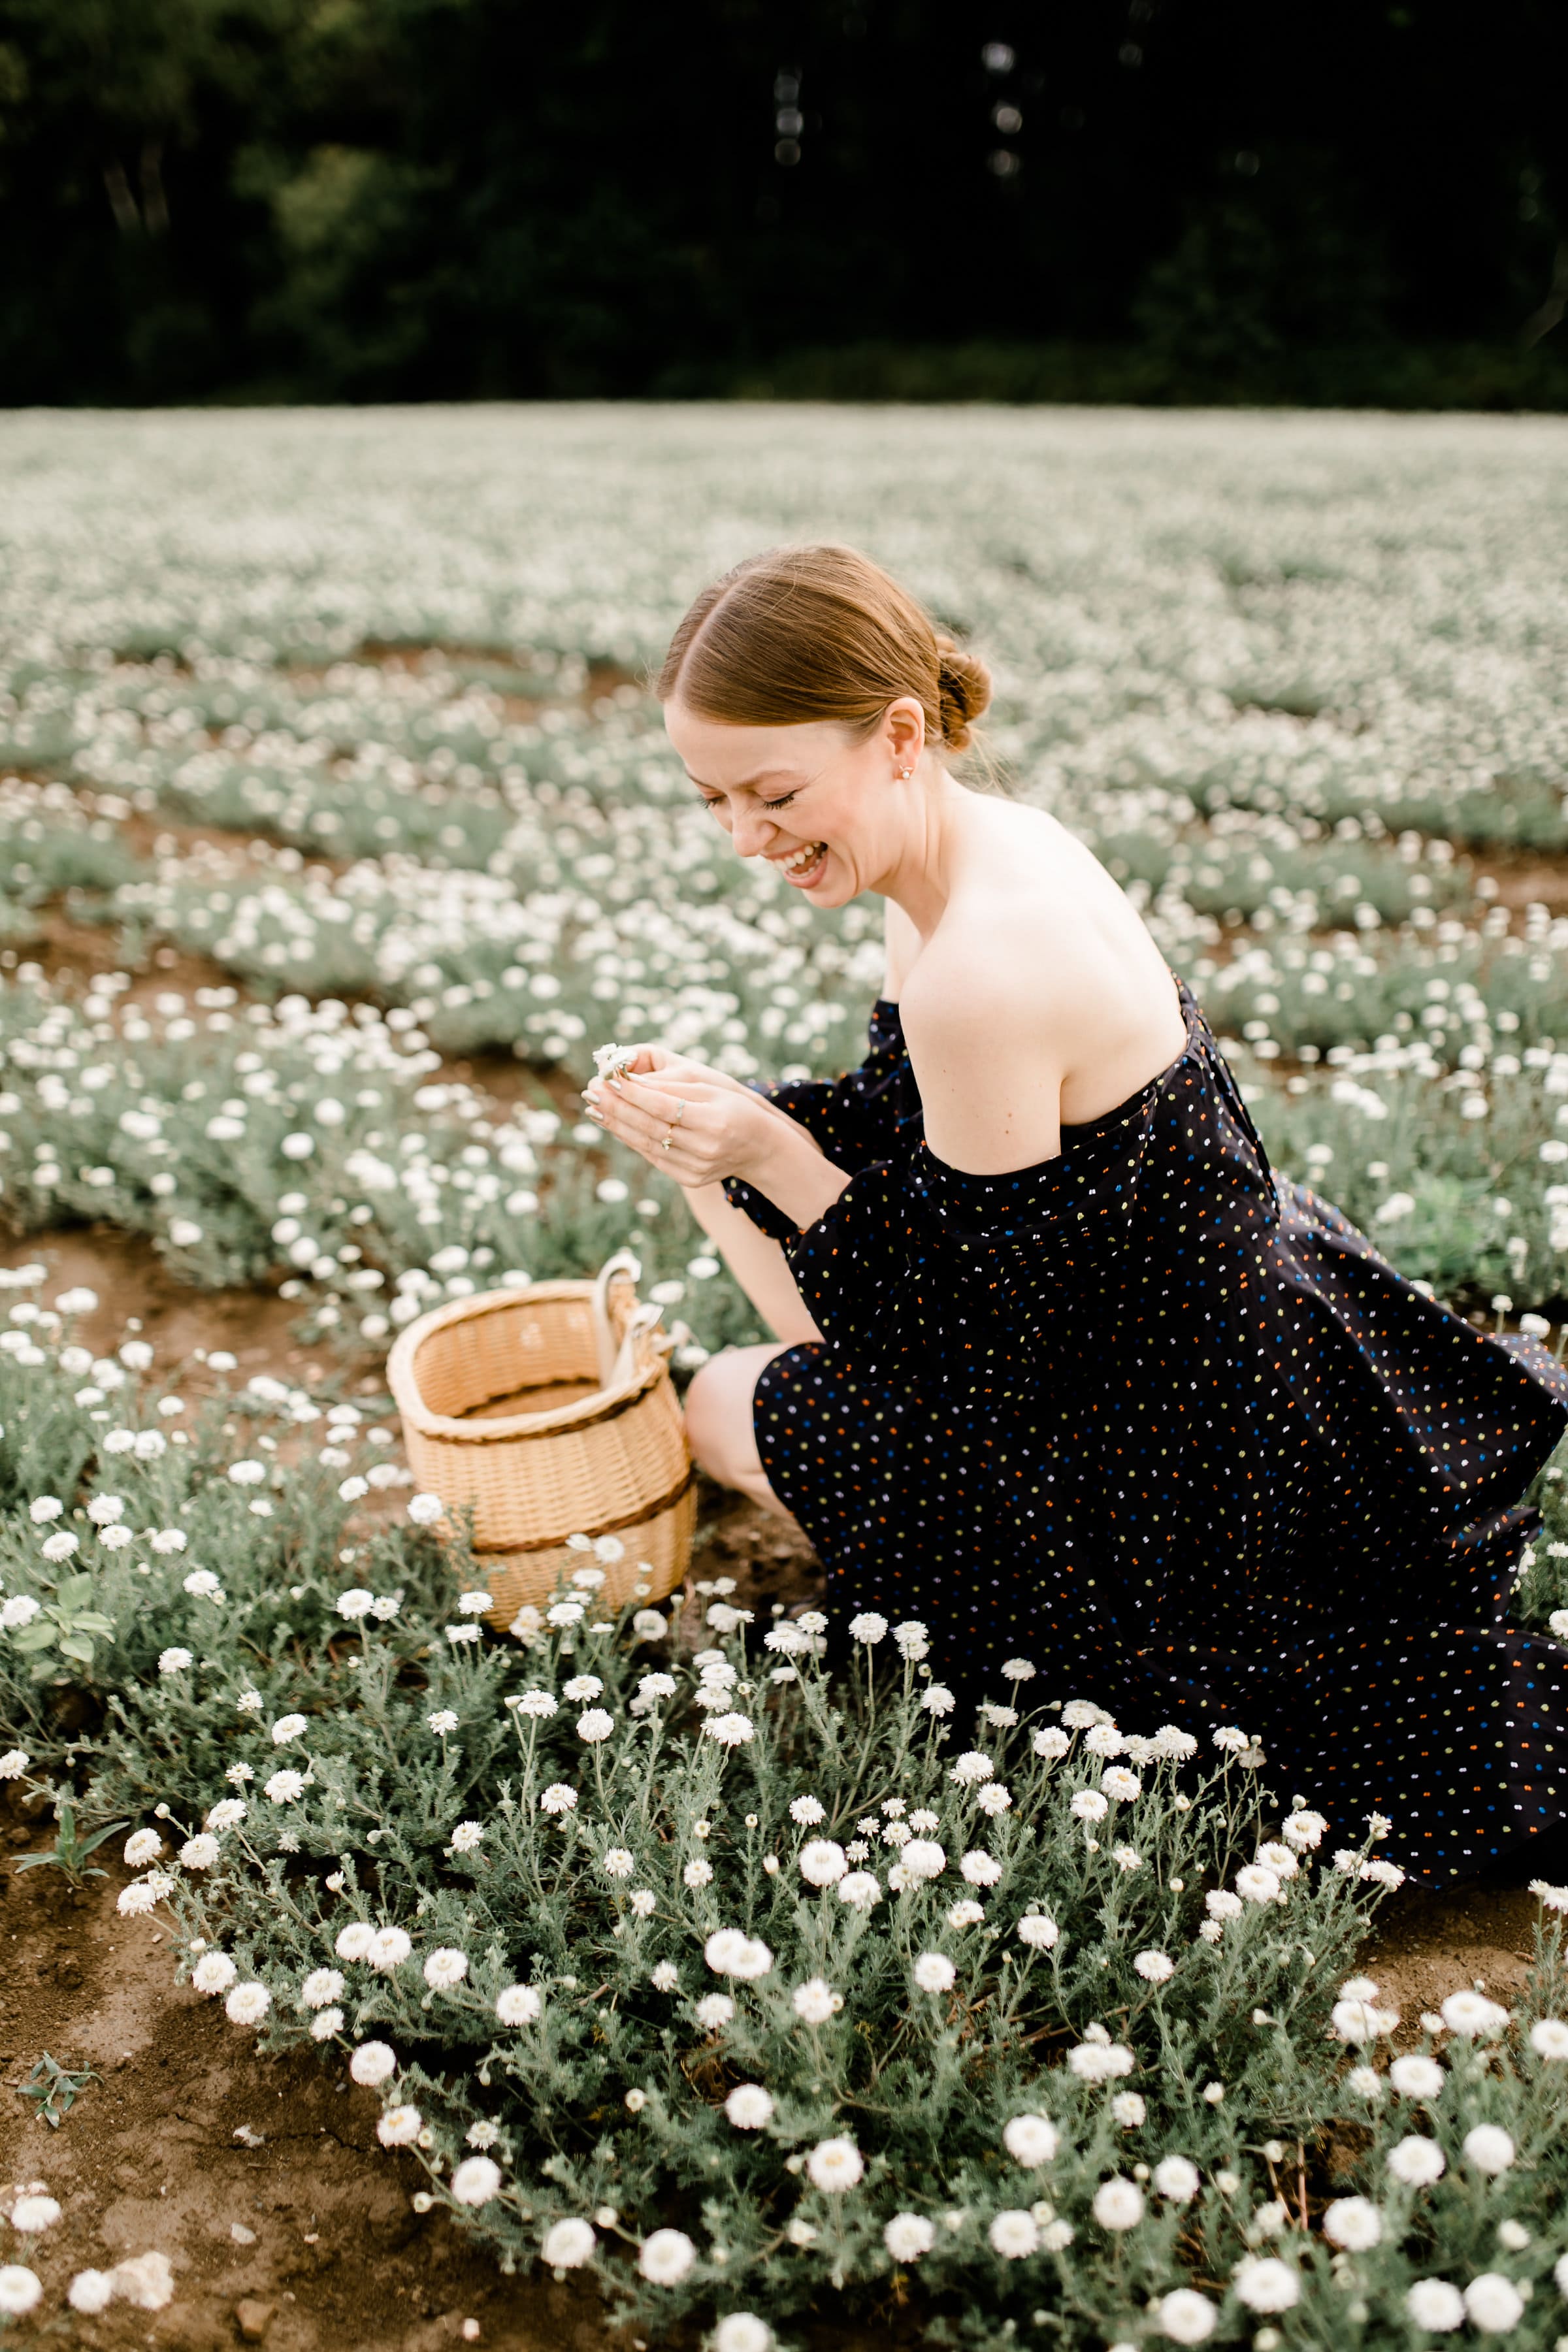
{"x": 1062, "y": 1368}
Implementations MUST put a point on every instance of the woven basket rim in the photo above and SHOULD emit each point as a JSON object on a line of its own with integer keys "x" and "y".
{"x": 596, "y": 1406}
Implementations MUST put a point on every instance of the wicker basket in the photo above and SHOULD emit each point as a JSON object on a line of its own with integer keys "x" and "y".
{"x": 552, "y": 1411}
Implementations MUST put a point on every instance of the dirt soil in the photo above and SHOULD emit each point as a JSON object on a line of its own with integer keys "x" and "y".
{"x": 262, "y": 2181}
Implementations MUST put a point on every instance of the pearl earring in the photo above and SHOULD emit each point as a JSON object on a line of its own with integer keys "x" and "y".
{"x": 904, "y": 774}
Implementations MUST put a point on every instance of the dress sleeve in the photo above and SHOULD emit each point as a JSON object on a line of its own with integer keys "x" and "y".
{"x": 871, "y": 1114}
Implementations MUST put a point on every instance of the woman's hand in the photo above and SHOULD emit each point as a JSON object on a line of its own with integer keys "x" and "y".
{"x": 696, "y": 1124}
{"x": 643, "y": 1061}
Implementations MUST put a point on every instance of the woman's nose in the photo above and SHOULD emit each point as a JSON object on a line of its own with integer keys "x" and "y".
{"x": 752, "y": 833}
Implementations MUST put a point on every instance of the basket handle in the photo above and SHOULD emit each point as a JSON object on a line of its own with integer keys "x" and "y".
{"x": 642, "y": 1333}
{"x": 604, "y": 1341}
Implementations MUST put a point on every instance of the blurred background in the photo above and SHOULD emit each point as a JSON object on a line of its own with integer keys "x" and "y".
{"x": 1129, "y": 200}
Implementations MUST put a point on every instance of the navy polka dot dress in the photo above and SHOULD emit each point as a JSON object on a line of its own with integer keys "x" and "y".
{"x": 1169, "y": 1426}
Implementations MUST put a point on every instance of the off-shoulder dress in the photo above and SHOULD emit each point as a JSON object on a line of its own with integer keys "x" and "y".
{"x": 1166, "y": 1425}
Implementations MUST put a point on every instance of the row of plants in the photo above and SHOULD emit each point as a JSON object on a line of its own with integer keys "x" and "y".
{"x": 672, "y": 1963}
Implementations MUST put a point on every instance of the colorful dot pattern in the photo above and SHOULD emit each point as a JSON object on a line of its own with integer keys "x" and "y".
{"x": 1168, "y": 1425}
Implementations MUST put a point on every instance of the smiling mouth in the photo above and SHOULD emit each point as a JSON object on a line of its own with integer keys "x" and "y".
{"x": 802, "y": 861}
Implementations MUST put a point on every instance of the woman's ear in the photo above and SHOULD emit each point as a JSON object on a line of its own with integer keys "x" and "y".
{"x": 904, "y": 732}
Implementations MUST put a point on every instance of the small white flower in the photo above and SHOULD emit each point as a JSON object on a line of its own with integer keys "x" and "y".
{"x": 1265, "y": 2283}
{"x": 1416, "y": 2160}
{"x": 1118, "y": 2204}
{"x": 731, "y": 1731}
{"x": 1359, "y": 2020}
{"x": 822, "y": 1861}
{"x": 141, "y": 1847}
{"x": 33, "y": 2213}
{"x": 445, "y": 1968}
{"x": 1352, "y": 2223}
{"x": 1176, "y": 2178}
{"x": 1489, "y": 2148}
{"x": 174, "y": 1661}
{"x": 1185, "y": 2316}
{"x": 1256, "y": 1884}
{"x": 665, "y": 1976}
{"x": 476, "y": 2181}
{"x": 1417, "y": 2078}
{"x": 923, "y": 1858}
{"x": 518, "y": 2004}
{"x": 1471, "y": 2015}
{"x": 425, "y": 1510}
{"x": 815, "y": 2000}
{"x": 568, "y": 2244}
{"x": 1549, "y": 2038}
{"x": 835, "y": 2164}
{"x": 1155, "y": 1968}
{"x": 860, "y": 1890}
{"x": 980, "y": 1869}
{"x": 287, "y": 1727}
{"x": 934, "y": 1972}
{"x": 715, "y": 2010}
{"x": 399, "y": 2127}
{"x": 1493, "y": 2304}
{"x": 247, "y": 2004}
{"x": 1099, "y": 2062}
{"x": 320, "y": 1988}
{"x": 389, "y": 1947}
{"x": 596, "y": 1726}
{"x": 213, "y": 1973}
{"x": 1014, "y": 2235}
{"x": 1050, "y": 1741}
{"x": 748, "y": 2106}
{"x": 907, "y": 2237}
{"x": 284, "y": 1787}
{"x": 937, "y": 1699}
{"x": 1435, "y": 2305}
{"x": 1031, "y": 2140}
{"x": 199, "y": 1852}
{"x": 699, "y": 1873}
{"x": 355, "y": 1604}
{"x": 1038, "y": 1930}
{"x": 666, "y": 2257}
{"x": 353, "y": 1942}
{"x": 371, "y": 2062}
{"x": 1089, "y": 1805}
{"x": 970, "y": 1768}
{"x": 557, "y": 1799}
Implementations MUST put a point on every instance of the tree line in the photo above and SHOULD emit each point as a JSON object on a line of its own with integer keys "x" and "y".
{"x": 452, "y": 199}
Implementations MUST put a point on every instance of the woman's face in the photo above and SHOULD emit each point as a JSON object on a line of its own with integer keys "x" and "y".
{"x": 827, "y": 810}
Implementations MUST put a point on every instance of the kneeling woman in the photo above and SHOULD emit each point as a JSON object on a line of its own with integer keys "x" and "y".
{"x": 1063, "y": 1368}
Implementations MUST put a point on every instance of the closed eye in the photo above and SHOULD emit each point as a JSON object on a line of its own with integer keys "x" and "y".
{"x": 782, "y": 802}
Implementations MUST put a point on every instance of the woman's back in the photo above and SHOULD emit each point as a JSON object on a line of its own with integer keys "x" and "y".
{"x": 1038, "y": 996}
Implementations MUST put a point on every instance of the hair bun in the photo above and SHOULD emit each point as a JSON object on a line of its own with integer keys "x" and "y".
{"x": 963, "y": 685}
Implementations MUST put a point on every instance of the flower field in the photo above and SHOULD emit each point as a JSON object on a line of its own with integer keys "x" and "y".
{"x": 338, "y": 829}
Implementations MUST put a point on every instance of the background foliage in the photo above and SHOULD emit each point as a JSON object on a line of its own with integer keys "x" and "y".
{"x": 1125, "y": 199}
